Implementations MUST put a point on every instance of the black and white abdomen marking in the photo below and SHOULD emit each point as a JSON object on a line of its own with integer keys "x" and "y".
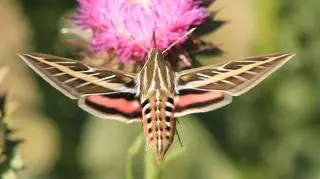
{"x": 158, "y": 121}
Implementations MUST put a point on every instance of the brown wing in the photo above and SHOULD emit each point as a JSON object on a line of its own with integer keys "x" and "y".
{"x": 76, "y": 79}
{"x": 235, "y": 77}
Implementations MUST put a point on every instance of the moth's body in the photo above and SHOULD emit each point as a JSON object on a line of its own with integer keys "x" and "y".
{"x": 156, "y": 90}
{"x": 156, "y": 95}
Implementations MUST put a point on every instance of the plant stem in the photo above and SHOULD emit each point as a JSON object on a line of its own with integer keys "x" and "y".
{"x": 151, "y": 169}
{"x": 133, "y": 151}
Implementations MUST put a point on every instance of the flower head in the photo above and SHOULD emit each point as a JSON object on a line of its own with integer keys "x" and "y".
{"x": 139, "y": 19}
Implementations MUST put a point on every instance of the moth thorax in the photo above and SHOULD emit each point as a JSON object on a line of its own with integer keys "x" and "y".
{"x": 159, "y": 123}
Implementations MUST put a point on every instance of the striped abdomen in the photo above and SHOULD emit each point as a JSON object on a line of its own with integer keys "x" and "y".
{"x": 158, "y": 122}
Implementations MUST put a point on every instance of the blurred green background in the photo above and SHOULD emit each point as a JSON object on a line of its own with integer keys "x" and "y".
{"x": 271, "y": 132}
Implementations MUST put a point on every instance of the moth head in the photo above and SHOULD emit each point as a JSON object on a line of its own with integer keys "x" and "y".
{"x": 154, "y": 52}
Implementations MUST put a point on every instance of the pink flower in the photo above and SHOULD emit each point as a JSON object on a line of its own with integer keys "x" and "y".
{"x": 169, "y": 19}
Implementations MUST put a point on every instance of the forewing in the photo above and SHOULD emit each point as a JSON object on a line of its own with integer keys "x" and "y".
{"x": 234, "y": 77}
{"x": 76, "y": 79}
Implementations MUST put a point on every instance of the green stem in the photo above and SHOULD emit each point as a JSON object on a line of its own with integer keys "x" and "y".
{"x": 151, "y": 169}
{"x": 133, "y": 151}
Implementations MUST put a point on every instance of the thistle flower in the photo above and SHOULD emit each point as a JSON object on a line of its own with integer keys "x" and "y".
{"x": 139, "y": 19}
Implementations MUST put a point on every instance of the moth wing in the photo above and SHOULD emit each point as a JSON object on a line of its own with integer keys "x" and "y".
{"x": 191, "y": 101}
{"x": 207, "y": 88}
{"x": 75, "y": 79}
{"x": 119, "y": 106}
{"x": 234, "y": 77}
{"x": 104, "y": 93}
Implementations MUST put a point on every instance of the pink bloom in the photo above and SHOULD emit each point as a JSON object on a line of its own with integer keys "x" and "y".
{"x": 170, "y": 19}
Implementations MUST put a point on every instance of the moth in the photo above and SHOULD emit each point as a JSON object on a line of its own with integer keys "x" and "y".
{"x": 156, "y": 95}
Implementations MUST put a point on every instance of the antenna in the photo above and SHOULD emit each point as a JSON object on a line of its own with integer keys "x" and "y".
{"x": 133, "y": 40}
{"x": 181, "y": 38}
